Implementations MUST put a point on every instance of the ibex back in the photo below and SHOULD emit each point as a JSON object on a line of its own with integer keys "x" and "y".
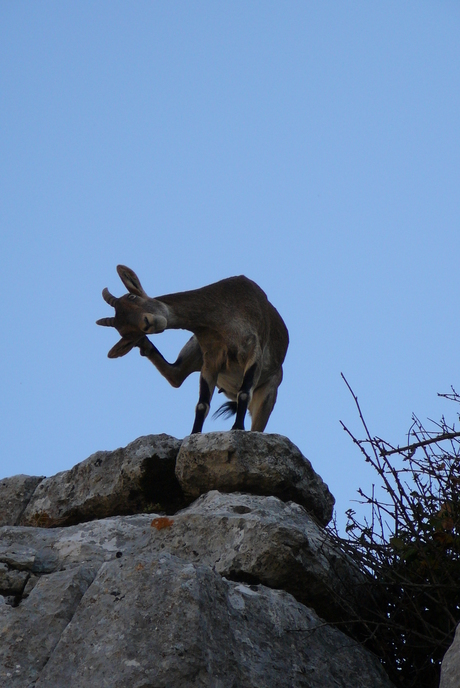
{"x": 239, "y": 342}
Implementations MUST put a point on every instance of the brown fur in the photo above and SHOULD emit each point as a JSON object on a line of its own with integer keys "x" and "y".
{"x": 239, "y": 341}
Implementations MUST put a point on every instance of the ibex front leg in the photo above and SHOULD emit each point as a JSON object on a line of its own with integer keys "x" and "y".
{"x": 190, "y": 360}
{"x": 207, "y": 387}
{"x": 213, "y": 361}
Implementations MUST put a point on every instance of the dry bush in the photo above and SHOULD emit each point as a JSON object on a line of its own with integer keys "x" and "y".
{"x": 409, "y": 548}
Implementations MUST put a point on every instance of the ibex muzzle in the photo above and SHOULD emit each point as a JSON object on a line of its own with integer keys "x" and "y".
{"x": 239, "y": 342}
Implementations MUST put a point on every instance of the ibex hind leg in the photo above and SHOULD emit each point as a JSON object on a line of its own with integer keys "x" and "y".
{"x": 263, "y": 401}
{"x": 244, "y": 396}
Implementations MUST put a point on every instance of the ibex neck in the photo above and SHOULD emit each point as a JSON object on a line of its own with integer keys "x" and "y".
{"x": 189, "y": 310}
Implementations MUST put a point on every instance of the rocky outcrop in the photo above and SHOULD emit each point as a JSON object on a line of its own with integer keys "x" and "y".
{"x": 450, "y": 668}
{"x": 234, "y": 589}
{"x": 15, "y": 495}
{"x": 255, "y": 463}
{"x": 202, "y": 630}
{"x": 161, "y": 473}
{"x": 139, "y": 477}
{"x": 31, "y": 631}
{"x": 242, "y": 537}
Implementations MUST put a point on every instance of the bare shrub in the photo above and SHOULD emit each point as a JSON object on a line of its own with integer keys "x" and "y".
{"x": 409, "y": 548}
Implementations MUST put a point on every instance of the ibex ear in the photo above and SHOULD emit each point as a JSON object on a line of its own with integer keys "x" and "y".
{"x": 106, "y": 322}
{"x": 131, "y": 281}
{"x": 122, "y": 347}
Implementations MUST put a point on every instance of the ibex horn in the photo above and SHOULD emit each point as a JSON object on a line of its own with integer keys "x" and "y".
{"x": 106, "y": 322}
{"x": 107, "y": 296}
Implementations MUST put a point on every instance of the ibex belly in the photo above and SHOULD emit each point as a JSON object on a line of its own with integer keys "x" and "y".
{"x": 230, "y": 380}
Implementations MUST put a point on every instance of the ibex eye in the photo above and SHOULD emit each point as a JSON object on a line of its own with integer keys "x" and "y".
{"x": 132, "y": 297}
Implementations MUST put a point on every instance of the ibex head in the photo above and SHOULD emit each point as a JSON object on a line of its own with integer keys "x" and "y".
{"x": 135, "y": 313}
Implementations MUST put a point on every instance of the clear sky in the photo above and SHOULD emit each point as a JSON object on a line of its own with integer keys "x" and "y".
{"x": 312, "y": 146}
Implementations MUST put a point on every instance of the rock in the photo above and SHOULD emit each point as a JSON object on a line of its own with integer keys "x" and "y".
{"x": 244, "y": 537}
{"x": 95, "y": 542}
{"x": 28, "y": 549}
{"x": 142, "y": 478}
{"x": 159, "y": 621}
{"x": 139, "y": 477}
{"x": 30, "y": 585}
{"x": 16, "y": 555}
{"x": 219, "y": 592}
{"x": 264, "y": 540}
{"x": 253, "y": 462}
{"x": 31, "y": 631}
{"x": 450, "y": 668}
{"x": 15, "y": 494}
{"x": 12, "y": 582}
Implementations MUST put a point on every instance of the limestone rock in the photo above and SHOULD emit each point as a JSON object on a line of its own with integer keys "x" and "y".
{"x": 31, "y": 631}
{"x": 262, "y": 539}
{"x": 47, "y": 550}
{"x": 139, "y": 477}
{"x": 218, "y": 592}
{"x": 159, "y": 621}
{"x": 20, "y": 557}
{"x": 450, "y": 668}
{"x": 253, "y": 462}
{"x": 244, "y": 537}
{"x": 12, "y": 582}
{"x": 15, "y": 494}
{"x": 142, "y": 478}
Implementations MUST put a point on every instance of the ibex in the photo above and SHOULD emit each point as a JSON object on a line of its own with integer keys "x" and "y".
{"x": 239, "y": 342}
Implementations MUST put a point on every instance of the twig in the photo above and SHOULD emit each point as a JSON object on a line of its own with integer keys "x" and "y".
{"x": 412, "y": 447}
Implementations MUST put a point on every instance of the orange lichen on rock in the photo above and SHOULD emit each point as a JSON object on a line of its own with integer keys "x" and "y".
{"x": 162, "y": 522}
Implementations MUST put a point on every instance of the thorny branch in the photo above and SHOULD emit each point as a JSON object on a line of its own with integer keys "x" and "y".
{"x": 410, "y": 549}
{"x": 424, "y": 443}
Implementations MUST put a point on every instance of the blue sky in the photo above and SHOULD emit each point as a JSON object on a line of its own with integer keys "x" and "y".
{"x": 312, "y": 146}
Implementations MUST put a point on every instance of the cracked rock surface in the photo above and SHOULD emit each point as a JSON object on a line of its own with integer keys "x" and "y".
{"x": 233, "y": 590}
{"x": 450, "y": 668}
{"x": 252, "y": 462}
{"x": 31, "y": 631}
{"x": 164, "y": 622}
